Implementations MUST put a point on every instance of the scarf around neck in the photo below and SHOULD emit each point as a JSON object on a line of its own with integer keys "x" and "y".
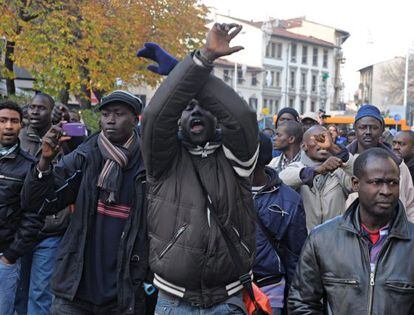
{"x": 116, "y": 159}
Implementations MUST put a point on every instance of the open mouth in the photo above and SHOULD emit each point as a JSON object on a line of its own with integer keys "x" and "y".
{"x": 196, "y": 126}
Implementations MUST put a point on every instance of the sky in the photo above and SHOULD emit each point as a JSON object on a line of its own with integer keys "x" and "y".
{"x": 379, "y": 30}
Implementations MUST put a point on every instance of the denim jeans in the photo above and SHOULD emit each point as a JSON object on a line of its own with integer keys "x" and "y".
{"x": 169, "y": 305}
{"x": 34, "y": 296}
{"x": 9, "y": 277}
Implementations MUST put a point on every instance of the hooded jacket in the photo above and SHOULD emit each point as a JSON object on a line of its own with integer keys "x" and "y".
{"x": 281, "y": 210}
{"x": 74, "y": 181}
{"x": 334, "y": 270}
{"x": 406, "y": 183}
{"x": 325, "y": 198}
{"x": 188, "y": 254}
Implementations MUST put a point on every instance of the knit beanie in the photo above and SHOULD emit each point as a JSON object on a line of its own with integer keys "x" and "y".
{"x": 132, "y": 101}
{"x": 288, "y": 110}
{"x": 369, "y": 111}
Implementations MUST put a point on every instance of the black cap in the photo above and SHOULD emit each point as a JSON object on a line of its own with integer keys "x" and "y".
{"x": 134, "y": 103}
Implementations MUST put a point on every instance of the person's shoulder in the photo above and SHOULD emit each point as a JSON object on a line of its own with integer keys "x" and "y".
{"x": 289, "y": 193}
{"x": 326, "y": 230}
{"x": 26, "y": 155}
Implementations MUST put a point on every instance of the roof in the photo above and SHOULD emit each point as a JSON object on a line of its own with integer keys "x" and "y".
{"x": 296, "y": 22}
{"x": 22, "y": 74}
{"x": 281, "y": 32}
{"x": 230, "y": 64}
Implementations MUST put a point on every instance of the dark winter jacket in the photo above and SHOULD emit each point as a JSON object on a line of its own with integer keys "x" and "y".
{"x": 334, "y": 269}
{"x": 74, "y": 181}
{"x": 56, "y": 224}
{"x": 18, "y": 226}
{"x": 281, "y": 210}
{"x": 188, "y": 254}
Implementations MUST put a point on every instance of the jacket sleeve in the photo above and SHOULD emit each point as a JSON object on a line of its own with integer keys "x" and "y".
{"x": 295, "y": 238}
{"x": 306, "y": 291}
{"x": 291, "y": 175}
{"x": 345, "y": 174}
{"x": 55, "y": 191}
{"x": 407, "y": 191}
{"x": 238, "y": 123}
{"x": 160, "y": 117}
{"x": 25, "y": 237}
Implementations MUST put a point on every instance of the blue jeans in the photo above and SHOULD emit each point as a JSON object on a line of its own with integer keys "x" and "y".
{"x": 169, "y": 305}
{"x": 9, "y": 277}
{"x": 34, "y": 296}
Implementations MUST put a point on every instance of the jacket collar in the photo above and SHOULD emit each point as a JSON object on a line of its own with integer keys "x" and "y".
{"x": 273, "y": 184}
{"x": 399, "y": 227}
{"x": 353, "y": 148}
{"x": 306, "y": 160}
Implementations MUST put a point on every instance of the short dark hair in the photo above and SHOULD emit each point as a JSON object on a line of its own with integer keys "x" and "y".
{"x": 362, "y": 160}
{"x": 410, "y": 135}
{"x": 293, "y": 129}
{"x": 48, "y": 97}
{"x": 265, "y": 151}
{"x": 12, "y": 106}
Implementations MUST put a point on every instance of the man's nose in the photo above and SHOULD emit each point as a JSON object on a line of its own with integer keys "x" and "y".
{"x": 386, "y": 189}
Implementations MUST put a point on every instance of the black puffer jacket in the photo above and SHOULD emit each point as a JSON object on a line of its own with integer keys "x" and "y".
{"x": 188, "y": 254}
{"x": 75, "y": 179}
{"x": 334, "y": 267}
{"x": 18, "y": 226}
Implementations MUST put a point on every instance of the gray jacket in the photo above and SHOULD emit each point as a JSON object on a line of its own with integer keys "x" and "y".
{"x": 327, "y": 196}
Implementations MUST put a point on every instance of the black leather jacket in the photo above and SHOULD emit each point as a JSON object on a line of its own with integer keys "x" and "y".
{"x": 334, "y": 269}
{"x": 18, "y": 227}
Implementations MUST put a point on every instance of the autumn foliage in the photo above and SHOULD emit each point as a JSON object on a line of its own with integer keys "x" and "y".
{"x": 79, "y": 45}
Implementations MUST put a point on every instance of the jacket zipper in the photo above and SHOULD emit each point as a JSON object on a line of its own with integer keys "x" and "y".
{"x": 172, "y": 242}
{"x": 345, "y": 281}
{"x": 11, "y": 178}
{"x": 372, "y": 275}
{"x": 246, "y": 248}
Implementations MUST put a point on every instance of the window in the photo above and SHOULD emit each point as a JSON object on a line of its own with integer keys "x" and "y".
{"x": 253, "y": 103}
{"x": 303, "y": 81}
{"x": 291, "y": 100}
{"x": 325, "y": 58}
{"x": 274, "y": 50}
{"x": 313, "y": 88}
{"x": 293, "y": 53}
{"x": 279, "y": 50}
{"x": 312, "y": 106}
{"x": 304, "y": 54}
{"x": 264, "y": 102}
{"x": 302, "y": 106}
{"x": 240, "y": 76}
{"x": 226, "y": 75}
{"x": 277, "y": 80}
{"x": 292, "y": 79}
{"x": 274, "y": 107}
{"x": 254, "y": 79}
{"x": 315, "y": 57}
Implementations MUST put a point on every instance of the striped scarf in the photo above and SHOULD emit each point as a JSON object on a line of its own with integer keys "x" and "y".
{"x": 116, "y": 158}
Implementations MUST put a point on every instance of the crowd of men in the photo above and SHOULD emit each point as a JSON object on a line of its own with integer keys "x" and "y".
{"x": 194, "y": 211}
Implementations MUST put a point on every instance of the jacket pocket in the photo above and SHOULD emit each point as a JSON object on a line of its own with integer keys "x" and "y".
{"x": 401, "y": 286}
{"x": 173, "y": 240}
{"x": 333, "y": 280}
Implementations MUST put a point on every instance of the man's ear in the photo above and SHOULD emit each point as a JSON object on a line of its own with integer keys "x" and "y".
{"x": 291, "y": 139}
{"x": 355, "y": 183}
{"x": 304, "y": 146}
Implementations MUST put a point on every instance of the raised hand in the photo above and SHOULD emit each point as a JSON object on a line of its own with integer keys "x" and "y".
{"x": 60, "y": 112}
{"x": 218, "y": 41}
{"x": 330, "y": 165}
{"x": 323, "y": 140}
{"x": 51, "y": 144}
{"x": 165, "y": 61}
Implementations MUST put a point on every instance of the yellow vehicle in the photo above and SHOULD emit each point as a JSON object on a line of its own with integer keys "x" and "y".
{"x": 349, "y": 121}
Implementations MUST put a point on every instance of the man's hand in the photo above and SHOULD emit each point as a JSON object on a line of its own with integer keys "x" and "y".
{"x": 218, "y": 41}
{"x": 5, "y": 260}
{"x": 156, "y": 53}
{"x": 330, "y": 165}
{"x": 323, "y": 140}
{"x": 51, "y": 144}
{"x": 60, "y": 112}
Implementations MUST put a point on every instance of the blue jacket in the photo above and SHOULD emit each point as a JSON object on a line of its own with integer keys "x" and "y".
{"x": 281, "y": 210}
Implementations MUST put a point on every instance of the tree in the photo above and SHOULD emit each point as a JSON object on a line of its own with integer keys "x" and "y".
{"x": 80, "y": 46}
{"x": 393, "y": 79}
